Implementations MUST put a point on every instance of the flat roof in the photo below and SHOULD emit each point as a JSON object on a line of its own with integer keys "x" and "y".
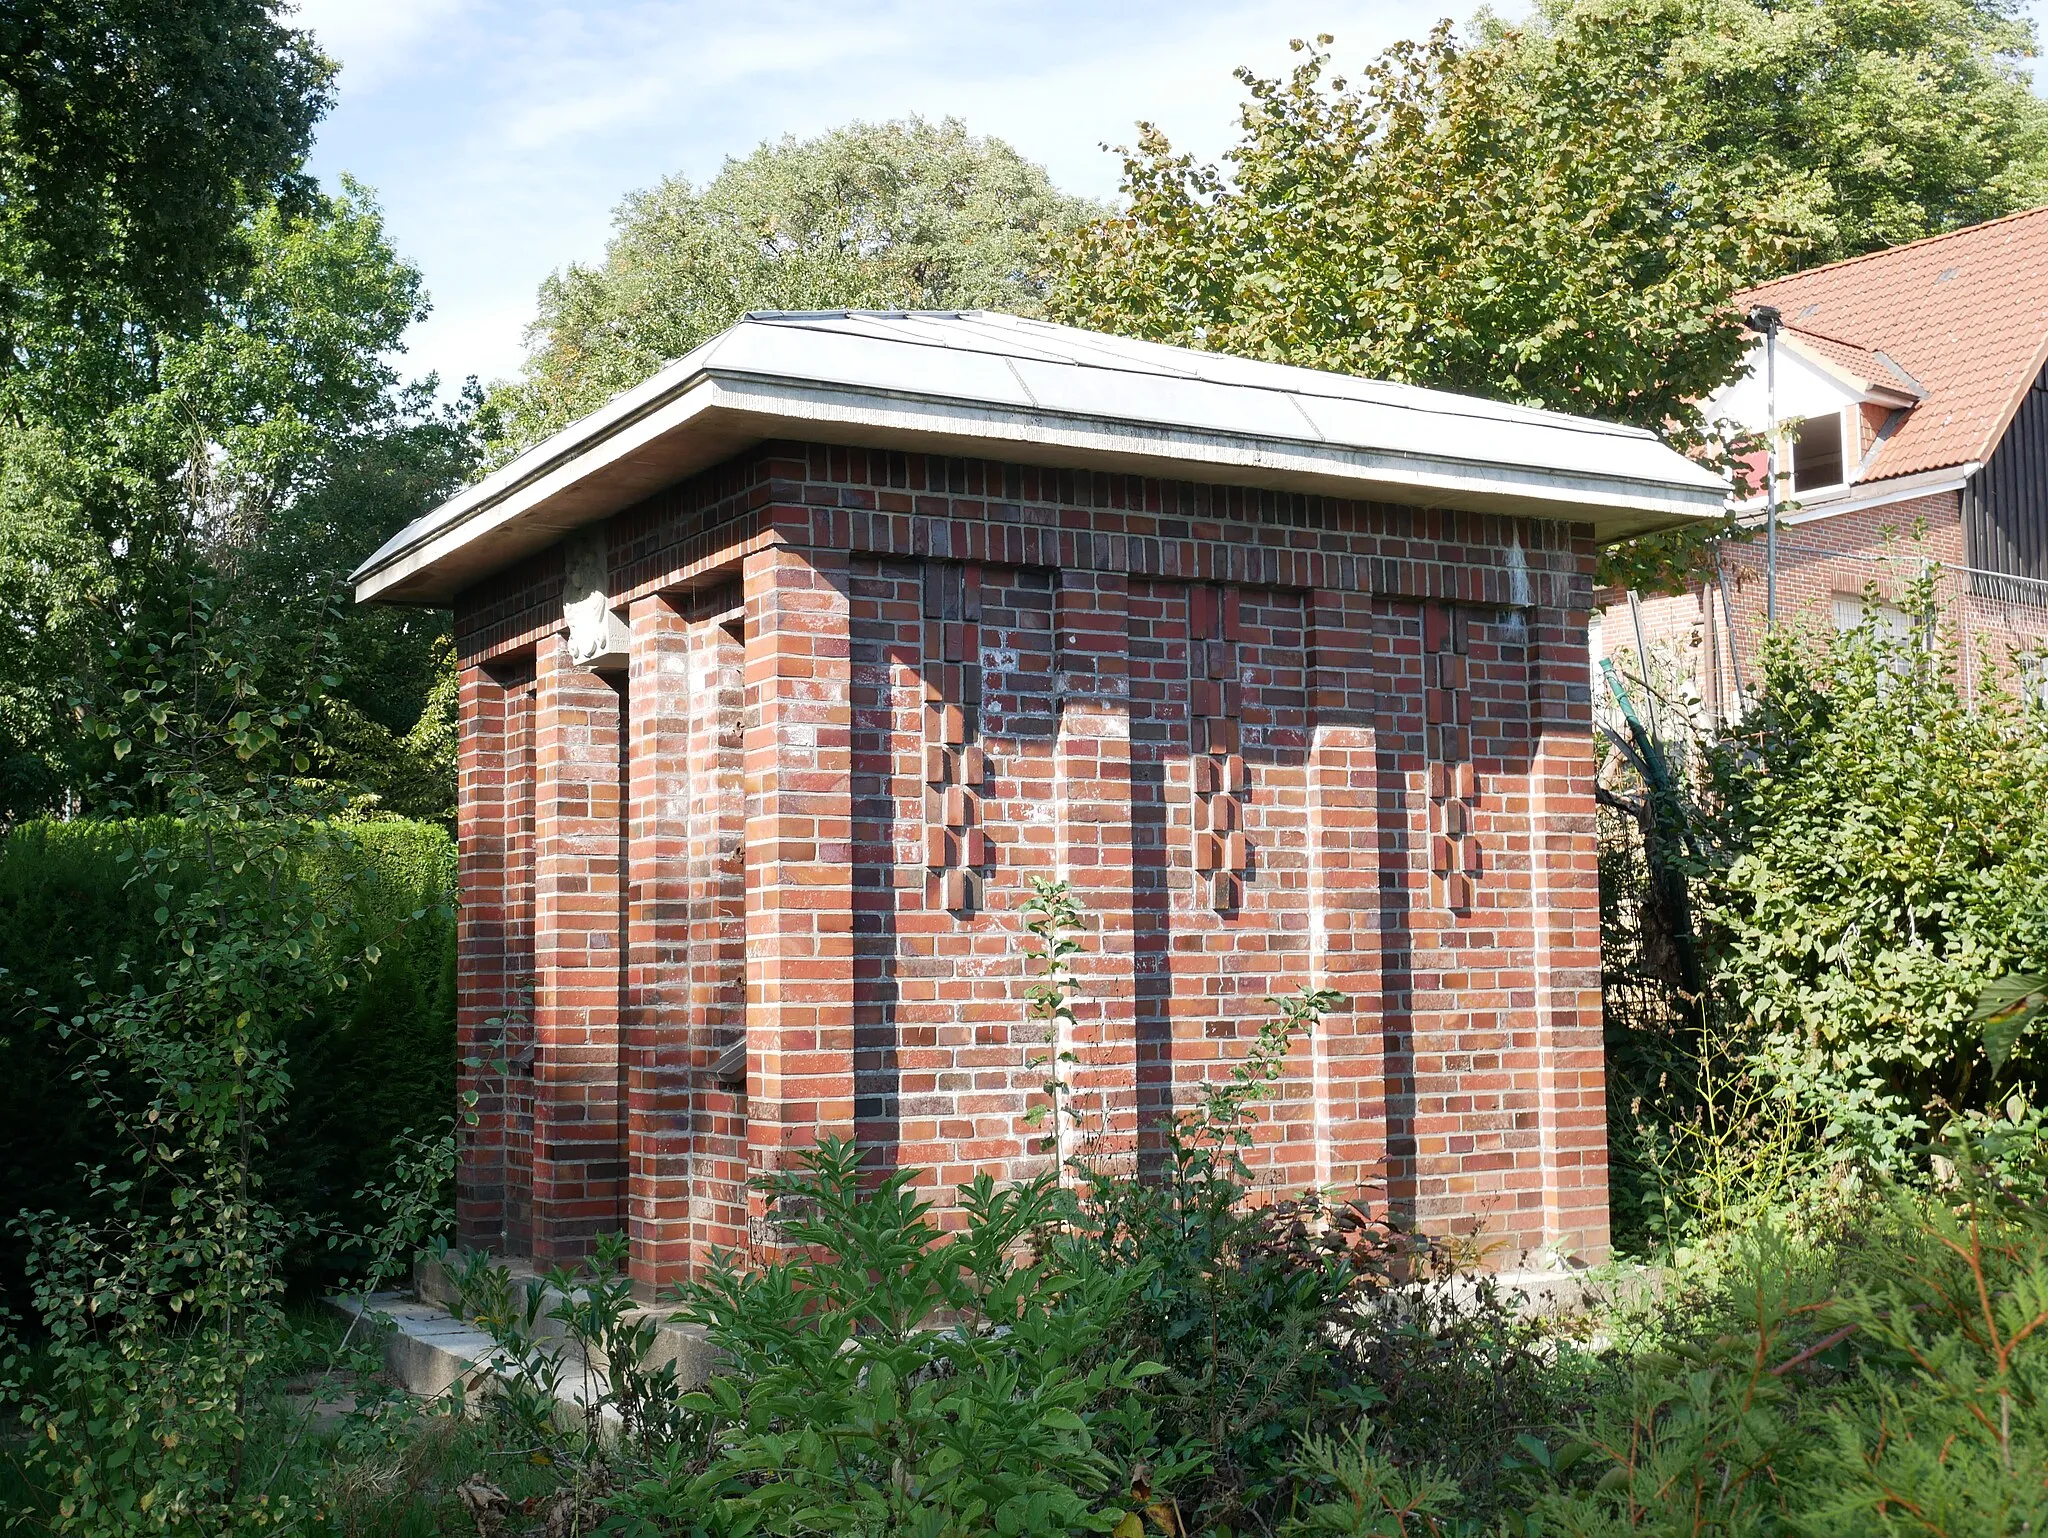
{"x": 980, "y": 384}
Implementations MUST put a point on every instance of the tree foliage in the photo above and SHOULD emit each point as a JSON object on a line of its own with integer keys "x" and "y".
{"x": 1513, "y": 223}
{"x": 195, "y": 381}
{"x": 1878, "y": 122}
{"x": 264, "y": 441}
{"x": 1557, "y": 214}
{"x": 900, "y": 215}
{"x": 135, "y": 137}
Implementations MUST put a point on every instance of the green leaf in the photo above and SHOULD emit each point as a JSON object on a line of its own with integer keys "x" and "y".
{"x": 2005, "y": 1007}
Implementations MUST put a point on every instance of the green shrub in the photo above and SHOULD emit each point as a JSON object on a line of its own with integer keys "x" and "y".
{"x": 1884, "y": 855}
{"x": 889, "y": 1379}
{"x": 365, "y": 1063}
{"x": 1896, "y": 1383}
{"x": 1867, "y": 852}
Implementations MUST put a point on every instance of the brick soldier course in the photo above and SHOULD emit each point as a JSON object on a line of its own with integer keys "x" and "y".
{"x": 784, "y": 672}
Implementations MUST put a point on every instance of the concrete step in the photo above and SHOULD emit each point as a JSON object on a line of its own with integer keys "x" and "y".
{"x": 683, "y": 1344}
{"x": 428, "y": 1347}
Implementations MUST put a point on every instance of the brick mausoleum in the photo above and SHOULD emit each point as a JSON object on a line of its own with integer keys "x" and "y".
{"x": 782, "y": 673}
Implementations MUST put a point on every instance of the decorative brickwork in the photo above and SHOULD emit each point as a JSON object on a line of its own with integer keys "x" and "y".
{"x": 1272, "y": 741}
{"x": 955, "y": 765}
{"x": 1453, "y": 782}
{"x": 1215, "y": 701}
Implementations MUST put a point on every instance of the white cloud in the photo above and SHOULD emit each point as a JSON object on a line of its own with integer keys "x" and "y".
{"x": 376, "y": 40}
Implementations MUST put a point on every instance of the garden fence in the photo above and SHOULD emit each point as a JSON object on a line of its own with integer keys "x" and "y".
{"x": 1995, "y": 625}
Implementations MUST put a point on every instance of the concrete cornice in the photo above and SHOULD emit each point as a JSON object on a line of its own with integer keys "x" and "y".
{"x": 1135, "y": 415}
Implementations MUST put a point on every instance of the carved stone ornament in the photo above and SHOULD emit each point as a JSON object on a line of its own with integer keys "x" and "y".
{"x": 597, "y": 637}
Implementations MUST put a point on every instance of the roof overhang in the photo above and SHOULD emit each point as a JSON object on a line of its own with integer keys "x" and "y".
{"x": 690, "y": 418}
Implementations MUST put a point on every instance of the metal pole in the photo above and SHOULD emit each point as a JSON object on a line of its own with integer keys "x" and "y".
{"x": 1635, "y": 613}
{"x": 1765, "y": 318}
{"x": 1734, "y": 656}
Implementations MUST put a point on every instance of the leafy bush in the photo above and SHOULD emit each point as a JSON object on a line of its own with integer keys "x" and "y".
{"x": 159, "y": 1295}
{"x": 367, "y": 1062}
{"x": 1897, "y": 1385}
{"x": 1886, "y": 855}
{"x": 1867, "y": 855}
{"x": 890, "y": 1379}
{"x": 1237, "y": 1296}
{"x": 1448, "y": 1374}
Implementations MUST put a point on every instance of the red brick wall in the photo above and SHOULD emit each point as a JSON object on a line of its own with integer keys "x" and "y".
{"x": 580, "y": 983}
{"x": 1271, "y": 740}
{"x": 494, "y": 956}
{"x": 1884, "y": 548}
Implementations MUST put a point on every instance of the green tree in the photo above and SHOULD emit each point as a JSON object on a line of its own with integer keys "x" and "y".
{"x": 1881, "y": 122}
{"x": 1520, "y": 224}
{"x": 264, "y": 442}
{"x": 901, "y": 215}
{"x": 135, "y": 137}
{"x": 1558, "y": 214}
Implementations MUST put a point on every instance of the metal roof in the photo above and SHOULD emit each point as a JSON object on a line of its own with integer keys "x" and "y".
{"x": 977, "y": 383}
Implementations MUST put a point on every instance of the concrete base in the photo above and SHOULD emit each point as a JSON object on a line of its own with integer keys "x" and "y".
{"x": 1554, "y": 1293}
{"x": 428, "y": 1348}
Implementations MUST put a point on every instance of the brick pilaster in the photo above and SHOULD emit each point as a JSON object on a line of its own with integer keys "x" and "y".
{"x": 1571, "y": 1058}
{"x": 1092, "y": 792}
{"x": 799, "y": 766}
{"x": 484, "y": 964}
{"x": 659, "y": 1066}
{"x": 716, "y": 872}
{"x": 578, "y": 1153}
{"x": 1344, "y": 892}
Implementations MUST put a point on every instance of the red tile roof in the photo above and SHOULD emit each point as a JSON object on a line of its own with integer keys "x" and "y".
{"x": 1870, "y": 368}
{"x": 1965, "y": 315}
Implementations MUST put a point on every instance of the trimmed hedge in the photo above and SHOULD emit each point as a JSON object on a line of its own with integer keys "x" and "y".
{"x": 365, "y": 1064}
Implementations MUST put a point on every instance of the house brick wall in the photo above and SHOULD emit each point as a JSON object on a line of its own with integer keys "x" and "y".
{"x": 1989, "y": 622}
{"x": 1273, "y": 741}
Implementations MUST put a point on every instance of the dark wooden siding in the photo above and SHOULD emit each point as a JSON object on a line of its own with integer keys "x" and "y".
{"x": 2005, "y": 504}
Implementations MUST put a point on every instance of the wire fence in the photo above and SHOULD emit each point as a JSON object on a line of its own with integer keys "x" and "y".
{"x": 1694, "y": 659}
{"x": 1994, "y": 625}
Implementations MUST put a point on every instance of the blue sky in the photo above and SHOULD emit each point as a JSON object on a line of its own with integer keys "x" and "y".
{"x": 500, "y": 134}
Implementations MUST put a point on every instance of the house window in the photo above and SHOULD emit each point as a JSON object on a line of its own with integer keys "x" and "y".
{"x": 1891, "y": 622}
{"x": 1817, "y": 453}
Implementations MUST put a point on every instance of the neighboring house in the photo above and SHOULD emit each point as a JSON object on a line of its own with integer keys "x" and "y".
{"x": 786, "y": 671}
{"x": 1912, "y": 393}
